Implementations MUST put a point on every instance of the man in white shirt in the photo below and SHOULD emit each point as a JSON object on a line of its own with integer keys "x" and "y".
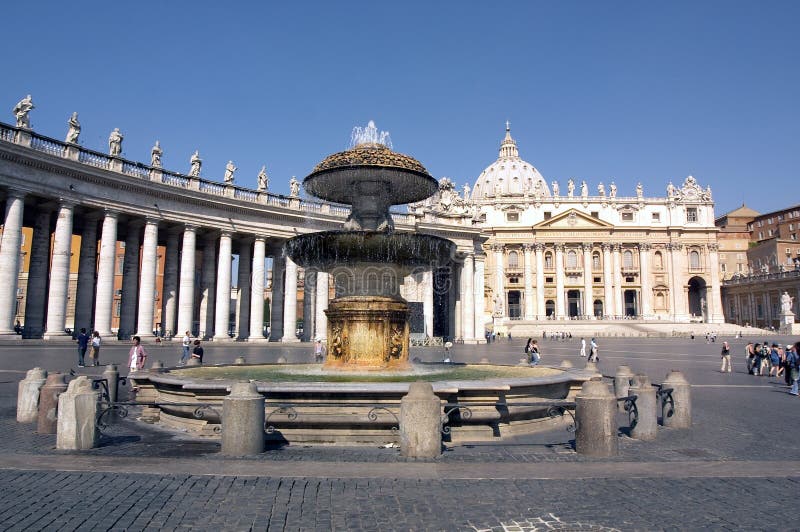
{"x": 583, "y": 347}
{"x": 187, "y": 342}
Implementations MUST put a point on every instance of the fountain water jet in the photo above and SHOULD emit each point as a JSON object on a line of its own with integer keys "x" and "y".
{"x": 368, "y": 320}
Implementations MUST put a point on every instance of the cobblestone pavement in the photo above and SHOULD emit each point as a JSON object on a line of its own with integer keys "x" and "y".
{"x": 735, "y": 469}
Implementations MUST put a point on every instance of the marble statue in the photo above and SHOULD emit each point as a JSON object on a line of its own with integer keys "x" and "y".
{"x": 466, "y": 192}
{"x": 263, "y": 179}
{"x": 155, "y": 156}
{"x": 786, "y": 303}
{"x": 294, "y": 187}
{"x": 229, "y": 171}
{"x": 670, "y": 190}
{"x": 613, "y": 188}
{"x": 601, "y": 189}
{"x": 196, "y": 163}
{"x": 115, "y": 143}
{"x": 74, "y": 129}
{"x": 555, "y": 188}
{"x": 639, "y": 190}
{"x": 584, "y": 189}
{"x": 21, "y": 111}
{"x": 537, "y": 189}
{"x": 570, "y": 188}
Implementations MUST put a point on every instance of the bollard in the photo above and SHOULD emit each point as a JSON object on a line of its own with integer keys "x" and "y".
{"x": 647, "y": 424}
{"x": 28, "y": 395}
{"x": 243, "y": 420}
{"x": 681, "y": 413}
{"x": 111, "y": 375}
{"x": 622, "y": 382}
{"x": 77, "y": 412}
{"x": 420, "y": 422}
{"x": 240, "y": 361}
{"x": 47, "y": 418}
{"x": 596, "y": 420}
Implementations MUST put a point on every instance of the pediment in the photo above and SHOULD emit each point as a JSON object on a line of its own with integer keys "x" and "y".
{"x": 573, "y": 219}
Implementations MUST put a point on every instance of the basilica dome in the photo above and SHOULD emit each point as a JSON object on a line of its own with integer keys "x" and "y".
{"x": 509, "y": 175}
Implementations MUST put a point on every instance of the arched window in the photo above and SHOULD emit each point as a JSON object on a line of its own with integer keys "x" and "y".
{"x": 596, "y": 261}
{"x": 694, "y": 259}
{"x": 513, "y": 259}
{"x": 572, "y": 259}
{"x": 515, "y": 185}
{"x": 658, "y": 260}
{"x": 548, "y": 260}
{"x": 627, "y": 259}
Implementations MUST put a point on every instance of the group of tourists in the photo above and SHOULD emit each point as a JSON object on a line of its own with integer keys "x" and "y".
{"x": 191, "y": 348}
{"x": 765, "y": 360}
{"x": 534, "y": 356}
{"x": 90, "y": 343}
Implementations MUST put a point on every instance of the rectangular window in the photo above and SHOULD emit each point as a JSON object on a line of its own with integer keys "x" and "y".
{"x": 548, "y": 279}
{"x": 722, "y": 267}
{"x": 595, "y": 214}
{"x": 512, "y": 217}
{"x": 656, "y": 216}
{"x": 120, "y": 262}
{"x": 548, "y": 215}
{"x": 117, "y": 307}
{"x": 691, "y": 214}
{"x": 761, "y": 235}
{"x": 597, "y": 279}
{"x": 627, "y": 216}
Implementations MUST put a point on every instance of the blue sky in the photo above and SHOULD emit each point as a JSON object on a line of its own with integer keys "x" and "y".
{"x": 600, "y": 90}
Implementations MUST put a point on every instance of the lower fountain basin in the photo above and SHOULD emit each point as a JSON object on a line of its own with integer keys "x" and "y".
{"x": 307, "y": 404}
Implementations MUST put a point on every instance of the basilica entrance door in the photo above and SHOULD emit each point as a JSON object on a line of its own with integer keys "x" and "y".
{"x": 573, "y": 303}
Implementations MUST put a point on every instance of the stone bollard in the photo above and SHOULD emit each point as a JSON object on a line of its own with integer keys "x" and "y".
{"x": 47, "y": 419}
{"x": 681, "y": 417}
{"x": 240, "y": 361}
{"x": 77, "y": 413}
{"x": 596, "y": 419}
{"x": 622, "y": 382}
{"x": 243, "y": 420}
{"x": 28, "y": 395}
{"x": 647, "y": 425}
{"x": 111, "y": 375}
{"x": 420, "y": 422}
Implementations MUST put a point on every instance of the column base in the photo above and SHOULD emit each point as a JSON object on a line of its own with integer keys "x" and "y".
{"x": 10, "y": 335}
{"x": 257, "y": 340}
{"x": 223, "y": 338}
{"x": 59, "y": 335}
{"x": 290, "y": 340}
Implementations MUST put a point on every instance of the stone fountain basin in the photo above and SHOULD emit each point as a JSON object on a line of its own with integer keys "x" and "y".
{"x": 399, "y": 185}
{"x": 328, "y": 249}
{"x": 313, "y": 411}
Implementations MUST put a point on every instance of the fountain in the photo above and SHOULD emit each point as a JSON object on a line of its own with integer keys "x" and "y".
{"x": 368, "y": 318}
{"x": 354, "y": 397}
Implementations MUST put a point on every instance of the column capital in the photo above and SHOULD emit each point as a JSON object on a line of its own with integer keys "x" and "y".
{"x": 152, "y": 220}
{"x": 645, "y": 246}
{"x": 606, "y": 246}
{"x": 527, "y": 247}
{"x": 260, "y": 238}
{"x": 16, "y": 194}
{"x": 225, "y": 233}
{"x": 190, "y": 228}
{"x": 587, "y": 246}
{"x": 498, "y": 248}
{"x": 64, "y": 203}
{"x": 616, "y": 248}
{"x": 538, "y": 246}
{"x": 559, "y": 246}
{"x": 713, "y": 247}
{"x": 674, "y": 246}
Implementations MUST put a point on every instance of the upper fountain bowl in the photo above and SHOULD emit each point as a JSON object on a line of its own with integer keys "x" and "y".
{"x": 346, "y": 175}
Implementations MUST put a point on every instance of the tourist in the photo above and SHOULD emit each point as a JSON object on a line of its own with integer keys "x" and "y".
{"x": 785, "y": 366}
{"x": 197, "y": 352}
{"x": 750, "y": 354}
{"x": 793, "y": 363}
{"x": 593, "y": 351}
{"x": 532, "y": 349}
{"x": 95, "y": 353}
{"x": 319, "y": 350}
{"x": 583, "y": 347}
{"x": 774, "y": 361}
{"x": 137, "y": 355}
{"x": 186, "y": 344}
{"x": 726, "y": 358}
{"x": 83, "y": 343}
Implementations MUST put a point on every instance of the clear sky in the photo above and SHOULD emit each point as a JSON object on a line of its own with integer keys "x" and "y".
{"x": 596, "y": 90}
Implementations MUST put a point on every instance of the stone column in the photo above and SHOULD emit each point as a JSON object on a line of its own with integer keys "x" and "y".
{"x": 169, "y": 296}
{"x": 478, "y": 298}
{"x": 528, "y": 280}
{"x": 28, "y": 395}
{"x": 467, "y": 296}
{"x": 222, "y": 313}
{"x": 243, "y": 420}
{"x": 77, "y": 412}
{"x": 276, "y": 309}
{"x": 104, "y": 299}
{"x": 309, "y": 299}
{"x": 208, "y": 294}
{"x": 186, "y": 283}
{"x": 499, "y": 279}
{"x": 147, "y": 286}
{"x": 87, "y": 269}
{"x": 420, "y": 422}
{"x": 245, "y": 271}
{"x": 560, "y": 310}
{"x": 677, "y": 288}
{"x": 427, "y": 301}
{"x": 595, "y": 416}
{"x": 644, "y": 273}
{"x": 647, "y": 425}
{"x": 111, "y": 375}
{"x": 618, "y": 306}
{"x": 321, "y": 318}
{"x": 608, "y": 282}
{"x": 130, "y": 282}
{"x": 715, "y": 313}
{"x": 588, "y": 298}
{"x": 678, "y": 416}
{"x": 257, "y": 290}
{"x": 458, "y": 290}
{"x": 59, "y": 274}
{"x": 540, "y": 308}
{"x": 36, "y": 296}
{"x": 290, "y": 303}
{"x": 622, "y": 384}
{"x": 10, "y": 245}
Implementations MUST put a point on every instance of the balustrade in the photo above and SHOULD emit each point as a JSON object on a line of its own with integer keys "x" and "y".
{"x": 93, "y": 158}
{"x": 136, "y": 170}
{"x": 43, "y": 144}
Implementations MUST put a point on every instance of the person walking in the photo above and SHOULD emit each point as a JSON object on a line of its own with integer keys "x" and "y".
{"x": 583, "y": 347}
{"x": 319, "y": 350}
{"x": 726, "y": 358}
{"x": 83, "y": 344}
{"x": 137, "y": 355}
{"x": 749, "y": 354}
{"x": 95, "y": 353}
{"x": 793, "y": 365}
{"x": 197, "y": 352}
{"x": 593, "y": 351}
{"x": 187, "y": 345}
